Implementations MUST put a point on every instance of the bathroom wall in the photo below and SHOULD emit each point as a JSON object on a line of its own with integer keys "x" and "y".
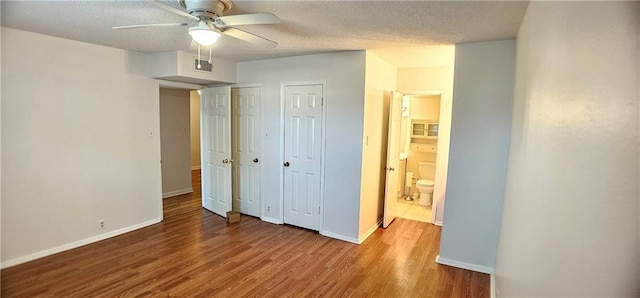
{"x": 425, "y": 107}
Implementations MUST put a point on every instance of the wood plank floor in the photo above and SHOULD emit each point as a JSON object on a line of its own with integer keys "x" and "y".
{"x": 197, "y": 254}
{"x": 187, "y": 202}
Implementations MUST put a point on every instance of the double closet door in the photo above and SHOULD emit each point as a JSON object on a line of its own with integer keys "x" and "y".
{"x": 230, "y": 149}
{"x": 231, "y": 142}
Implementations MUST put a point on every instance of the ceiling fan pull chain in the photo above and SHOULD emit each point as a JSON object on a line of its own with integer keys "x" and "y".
{"x": 210, "y": 54}
{"x": 199, "y": 66}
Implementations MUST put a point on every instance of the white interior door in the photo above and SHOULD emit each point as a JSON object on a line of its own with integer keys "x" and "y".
{"x": 246, "y": 135}
{"x": 215, "y": 144}
{"x": 393, "y": 159}
{"x": 302, "y": 155}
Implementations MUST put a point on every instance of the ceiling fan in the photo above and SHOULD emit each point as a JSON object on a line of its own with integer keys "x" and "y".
{"x": 208, "y": 22}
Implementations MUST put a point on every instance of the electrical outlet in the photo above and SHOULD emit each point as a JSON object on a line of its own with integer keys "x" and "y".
{"x": 101, "y": 223}
{"x": 268, "y": 208}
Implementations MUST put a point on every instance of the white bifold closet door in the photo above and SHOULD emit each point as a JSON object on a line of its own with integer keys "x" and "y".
{"x": 246, "y": 137}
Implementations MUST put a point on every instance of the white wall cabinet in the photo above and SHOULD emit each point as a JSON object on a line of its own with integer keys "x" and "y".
{"x": 424, "y": 129}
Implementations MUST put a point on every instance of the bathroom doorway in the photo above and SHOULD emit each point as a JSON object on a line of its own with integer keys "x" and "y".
{"x": 423, "y": 155}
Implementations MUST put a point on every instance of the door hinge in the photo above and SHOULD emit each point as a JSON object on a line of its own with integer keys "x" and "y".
{"x": 322, "y": 101}
{"x": 318, "y": 209}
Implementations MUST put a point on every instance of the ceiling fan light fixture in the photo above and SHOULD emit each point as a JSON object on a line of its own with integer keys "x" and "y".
{"x": 203, "y": 35}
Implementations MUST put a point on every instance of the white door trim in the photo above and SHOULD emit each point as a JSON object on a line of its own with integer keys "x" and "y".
{"x": 156, "y": 130}
{"x": 323, "y": 137}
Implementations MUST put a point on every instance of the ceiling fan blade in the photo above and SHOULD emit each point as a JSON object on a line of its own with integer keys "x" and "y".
{"x": 247, "y": 19}
{"x": 173, "y": 9}
{"x": 149, "y": 25}
{"x": 250, "y": 37}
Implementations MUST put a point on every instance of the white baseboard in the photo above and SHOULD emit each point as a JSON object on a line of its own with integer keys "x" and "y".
{"x": 75, "y": 244}
{"x": 438, "y": 223}
{"x": 369, "y": 232}
{"x": 339, "y": 237}
{"x": 195, "y": 168}
{"x": 177, "y": 192}
{"x": 464, "y": 265}
{"x": 270, "y": 220}
{"x": 492, "y": 286}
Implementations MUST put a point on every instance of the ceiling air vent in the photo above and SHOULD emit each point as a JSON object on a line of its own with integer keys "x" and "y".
{"x": 202, "y": 65}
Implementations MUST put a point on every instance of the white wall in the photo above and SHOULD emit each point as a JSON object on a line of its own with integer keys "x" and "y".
{"x": 79, "y": 144}
{"x": 435, "y": 78}
{"x": 380, "y": 77}
{"x": 0, "y": 138}
{"x": 570, "y": 218}
{"x": 480, "y": 129}
{"x": 180, "y": 66}
{"x": 175, "y": 141}
{"x": 194, "y": 109}
{"x": 344, "y": 101}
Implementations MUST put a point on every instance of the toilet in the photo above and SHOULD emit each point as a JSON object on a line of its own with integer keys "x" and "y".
{"x": 427, "y": 172}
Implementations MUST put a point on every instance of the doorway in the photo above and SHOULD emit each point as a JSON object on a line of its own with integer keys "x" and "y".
{"x": 422, "y": 155}
{"x": 181, "y": 192}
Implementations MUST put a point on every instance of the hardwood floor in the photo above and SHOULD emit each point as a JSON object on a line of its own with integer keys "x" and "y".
{"x": 197, "y": 254}
{"x": 184, "y": 203}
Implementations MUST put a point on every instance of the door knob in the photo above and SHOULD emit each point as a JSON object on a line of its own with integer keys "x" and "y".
{"x": 392, "y": 169}
{"x": 286, "y": 163}
{"x": 230, "y": 160}
{"x": 255, "y": 160}
{"x": 225, "y": 161}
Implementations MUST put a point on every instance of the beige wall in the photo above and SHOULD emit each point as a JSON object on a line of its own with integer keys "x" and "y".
{"x": 175, "y": 143}
{"x": 570, "y": 214}
{"x": 380, "y": 78}
{"x": 425, "y": 107}
{"x": 194, "y": 108}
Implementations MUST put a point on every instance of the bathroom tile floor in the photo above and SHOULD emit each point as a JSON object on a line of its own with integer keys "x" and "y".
{"x": 412, "y": 210}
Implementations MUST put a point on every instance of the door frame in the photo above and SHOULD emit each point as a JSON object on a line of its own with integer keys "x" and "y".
{"x": 446, "y": 108}
{"x": 156, "y": 129}
{"x": 323, "y": 137}
{"x": 261, "y": 155}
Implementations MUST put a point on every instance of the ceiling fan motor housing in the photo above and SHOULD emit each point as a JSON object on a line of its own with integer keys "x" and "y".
{"x": 206, "y": 8}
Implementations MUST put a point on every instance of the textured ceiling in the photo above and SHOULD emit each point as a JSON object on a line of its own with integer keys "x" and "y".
{"x": 307, "y": 26}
